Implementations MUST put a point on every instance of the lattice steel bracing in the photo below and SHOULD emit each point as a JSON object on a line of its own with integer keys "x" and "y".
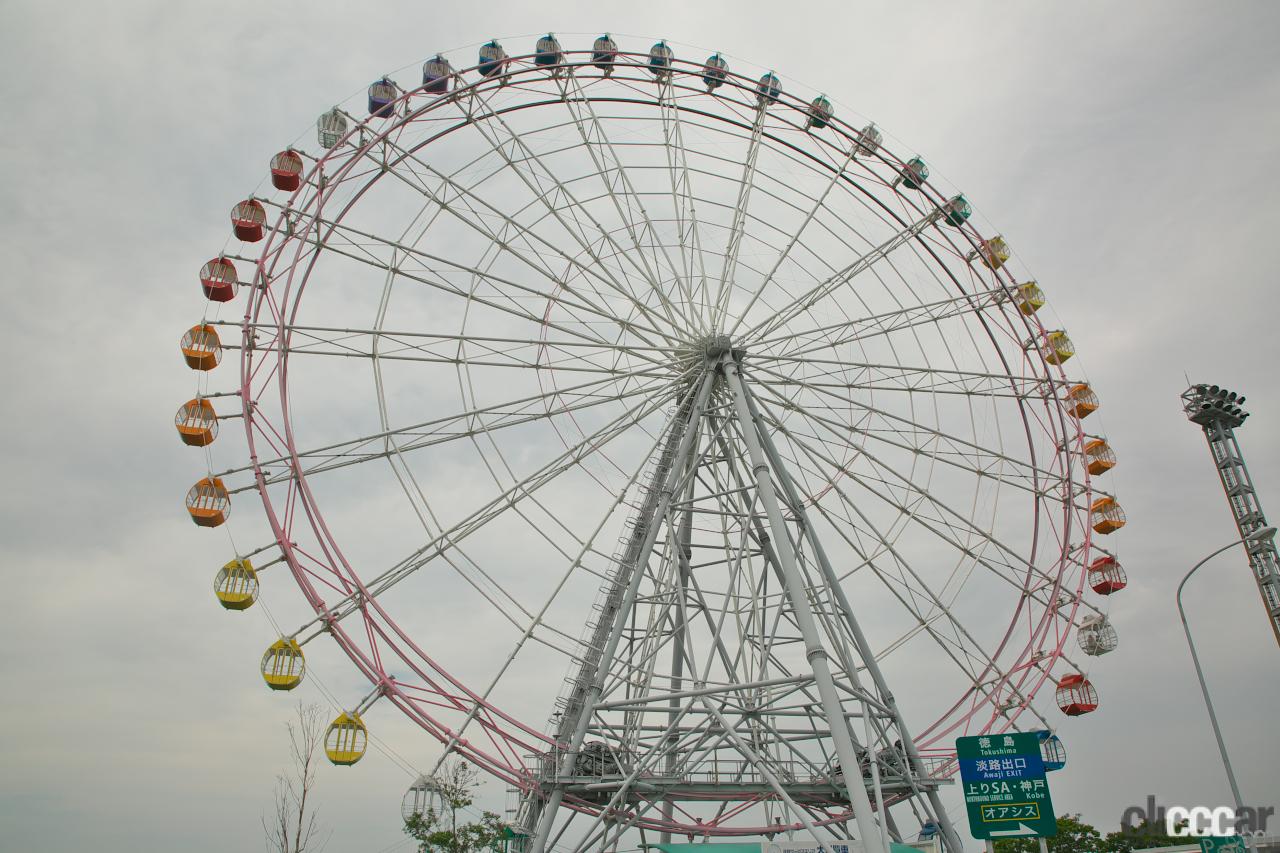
{"x": 1218, "y": 411}
{"x": 726, "y": 724}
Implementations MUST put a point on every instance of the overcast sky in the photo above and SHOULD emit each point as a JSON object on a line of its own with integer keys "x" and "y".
{"x": 1127, "y": 151}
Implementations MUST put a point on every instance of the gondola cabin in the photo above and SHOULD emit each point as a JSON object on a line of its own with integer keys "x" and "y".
{"x": 197, "y": 423}
{"x": 768, "y": 88}
{"x": 219, "y": 280}
{"x": 1096, "y": 636}
{"x": 331, "y": 128}
{"x": 820, "y": 112}
{"x": 1081, "y": 401}
{"x": 1058, "y": 347}
{"x": 346, "y": 739}
{"x": 1028, "y": 297}
{"x": 1107, "y": 576}
{"x": 283, "y": 664}
{"x": 247, "y": 219}
{"x": 869, "y": 139}
{"x": 236, "y": 585}
{"x": 714, "y": 72}
{"x": 1106, "y": 516}
{"x": 1076, "y": 696}
{"x": 1099, "y": 457}
{"x": 286, "y": 170}
{"x": 993, "y": 253}
{"x": 957, "y": 211}
{"x": 491, "y": 60}
{"x": 436, "y": 75}
{"x": 382, "y": 98}
{"x": 914, "y": 173}
{"x": 1052, "y": 751}
{"x": 201, "y": 347}
{"x": 603, "y": 53}
{"x": 660, "y": 56}
{"x": 208, "y": 502}
{"x": 547, "y": 52}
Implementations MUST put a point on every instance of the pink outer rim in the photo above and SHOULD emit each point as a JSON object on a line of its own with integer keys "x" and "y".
{"x": 508, "y": 742}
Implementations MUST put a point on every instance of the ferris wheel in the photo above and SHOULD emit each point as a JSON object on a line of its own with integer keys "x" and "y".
{"x": 658, "y": 441}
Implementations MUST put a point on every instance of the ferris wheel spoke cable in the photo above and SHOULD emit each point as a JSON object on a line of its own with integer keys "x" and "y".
{"x": 691, "y": 254}
{"x": 581, "y": 108}
{"x": 980, "y": 459}
{"x": 501, "y": 286}
{"x": 508, "y": 414}
{"x": 738, "y": 226}
{"x": 476, "y": 520}
{"x": 470, "y": 201}
{"x": 858, "y": 329}
{"x": 535, "y": 186}
{"x": 1032, "y": 592}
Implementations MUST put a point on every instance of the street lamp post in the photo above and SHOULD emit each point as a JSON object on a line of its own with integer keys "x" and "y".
{"x": 1264, "y": 534}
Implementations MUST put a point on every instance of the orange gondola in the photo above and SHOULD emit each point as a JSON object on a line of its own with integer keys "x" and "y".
{"x": 201, "y": 347}
{"x": 1099, "y": 456}
{"x": 1081, "y": 401}
{"x": 197, "y": 423}
{"x": 208, "y": 502}
{"x": 1107, "y": 516}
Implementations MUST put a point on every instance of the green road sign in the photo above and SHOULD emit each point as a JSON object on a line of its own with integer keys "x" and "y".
{"x": 1222, "y": 844}
{"x": 1004, "y": 786}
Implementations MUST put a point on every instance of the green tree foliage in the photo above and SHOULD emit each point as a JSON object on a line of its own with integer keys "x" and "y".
{"x": 438, "y": 831}
{"x": 1145, "y": 834}
{"x": 1074, "y": 836}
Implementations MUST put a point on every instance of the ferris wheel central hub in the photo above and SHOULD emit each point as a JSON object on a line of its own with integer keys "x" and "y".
{"x": 710, "y": 350}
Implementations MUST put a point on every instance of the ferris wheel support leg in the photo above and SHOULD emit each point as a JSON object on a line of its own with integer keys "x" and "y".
{"x": 868, "y": 828}
{"x": 684, "y": 555}
{"x": 939, "y": 812}
{"x": 547, "y": 817}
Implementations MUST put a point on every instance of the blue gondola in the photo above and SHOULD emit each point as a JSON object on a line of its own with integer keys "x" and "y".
{"x": 492, "y": 58}
{"x": 957, "y": 210}
{"x": 548, "y": 52}
{"x": 1052, "y": 751}
{"x": 914, "y": 173}
{"x": 436, "y": 74}
{"x": 660, "y": 60}
{"x": 382, "y": 97}
{"x": 603, "y": 53}
{"x": 714, "y": 72}
{"x": 820, "y": 112}
{"x": 769, "y": 88}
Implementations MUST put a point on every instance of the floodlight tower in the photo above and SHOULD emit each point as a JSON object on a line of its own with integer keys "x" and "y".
{"x": 1218, "y": 411}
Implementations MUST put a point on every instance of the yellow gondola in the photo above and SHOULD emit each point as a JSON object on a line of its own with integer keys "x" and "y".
{"x": 346, "y": 739}
{"x": 283, "y": 664}
{"x": 1029, "y": 298}
{"x": 236, "y": 585}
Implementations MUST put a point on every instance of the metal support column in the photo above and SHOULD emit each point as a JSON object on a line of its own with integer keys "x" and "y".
{"x": 868, "y": 827}
{"x": 635, "y": 564}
